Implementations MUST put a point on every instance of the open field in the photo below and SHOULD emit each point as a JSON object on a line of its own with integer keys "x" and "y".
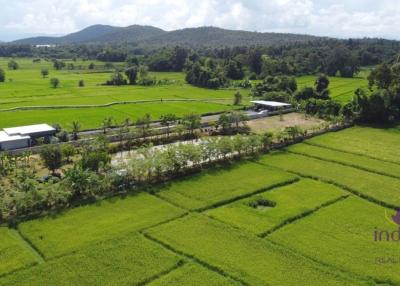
{"x": 342, "y": 89}
{"x": 221, "y": 185}
{"x": 376, "y": 187}
{"x": 242, "y": 255}
{"x": 14, "y": 252}
{"x": 301, "y": 216}
{"x": 370, "y": 142}
{"x": 82, "y": 226}
{"x": 192, "y": 274}
{"x": 126, "y": 260}
{"x": 291, "y": 119}
{"x": 291, "y": 202}
{"x": 342, "y": 235}
{"x": 349, "y": 159}
{"x": 91, "y": 118}
{"x": 25, "y": 87}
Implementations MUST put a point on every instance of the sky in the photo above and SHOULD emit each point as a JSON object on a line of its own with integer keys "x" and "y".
{"x": 334, "y": 18}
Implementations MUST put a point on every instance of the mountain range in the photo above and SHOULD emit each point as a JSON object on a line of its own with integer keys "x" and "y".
{"x": 152, "y": 36}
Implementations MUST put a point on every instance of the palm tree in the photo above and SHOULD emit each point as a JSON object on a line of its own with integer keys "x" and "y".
{"x": 167, "y": 120}
{"x": 107, "y": 123}
{"x": 267, "y": 138}
{"x": 76, "y": 126}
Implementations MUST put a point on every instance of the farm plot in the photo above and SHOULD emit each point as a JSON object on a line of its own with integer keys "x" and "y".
{"x": 14, "y": 254}
{"x": 362, "y": 162}
{"x": 383, "y": 189}
{"x": 221, "y": 185}
{"x": 342, "y": 89}
{"x": 128, "y": 260}
{"x": 91, "y": 118}
{"x": 253, "y": 260}
{"x": 26, "y": 87}
{"x": 365, "y": 141}
{"x": 267, "y": 211}
{"x": 79, "y": 227}
{"x": 342, "y": 235}
{"x": 192, "y": 274}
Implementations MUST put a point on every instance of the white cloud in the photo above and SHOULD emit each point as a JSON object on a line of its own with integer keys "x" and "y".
{"x": 340, "y": 18}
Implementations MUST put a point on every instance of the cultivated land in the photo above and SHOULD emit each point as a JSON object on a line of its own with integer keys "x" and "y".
{"x": 290, "y": 202}
{"x": 341, "y": 89}
{"x": 25, "y": 88}
{"x": 342, "y": 235}
{"x": 219, "y": 186}
{"x": 205, "y": 229}
{"x": 300, "y": 216}
{"x": 113, "y": 217}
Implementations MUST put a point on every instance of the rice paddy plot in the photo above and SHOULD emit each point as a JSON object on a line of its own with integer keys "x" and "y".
{"x": 341, "y": 89}
{"x": 354, "y": 160}
{"x": 266, "y": 211}
{"x": 14, "y": 253}
{"x": 343, "y": 235}
{"x": 192, "y": 274}
{"x": 241, "y": 255}
{"x": 373, "y": 186}
{"x": 127, "y": 260}
{"x": 220, "y": 185}
{"x": 91, "y": 118}
{"x": 371, "y": 142}
{"x": 77, "y": 228}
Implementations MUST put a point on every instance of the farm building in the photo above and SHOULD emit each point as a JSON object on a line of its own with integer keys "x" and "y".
{"x": 261, "y": 105}
{"x": 21, "y": 137}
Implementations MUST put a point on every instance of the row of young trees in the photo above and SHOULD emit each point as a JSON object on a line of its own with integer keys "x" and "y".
{"x": 91, "y": 175}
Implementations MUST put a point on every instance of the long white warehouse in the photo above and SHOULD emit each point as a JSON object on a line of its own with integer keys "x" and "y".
{"x": 23, "y": 136}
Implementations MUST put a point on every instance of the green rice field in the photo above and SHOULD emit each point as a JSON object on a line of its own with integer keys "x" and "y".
{"x": 316, "y": 213}
{"x": 341, "y": 89}
{"x": 290, "y": 202}
{"x": 308, "y": 213}
{"x": 26, "y": 88}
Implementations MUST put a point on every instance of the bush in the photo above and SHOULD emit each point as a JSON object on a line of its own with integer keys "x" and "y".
{"x": 2, "y": 75}
{"x": 52, "y": 157}
{"x": 54, "y": 82}
{"x": 13, "y": 65}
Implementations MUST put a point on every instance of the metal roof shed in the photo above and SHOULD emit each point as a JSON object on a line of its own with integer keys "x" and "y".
{"x": 8, "y": 142}
{"x": 271, "y": 103}
{"x": 35, "y": 131}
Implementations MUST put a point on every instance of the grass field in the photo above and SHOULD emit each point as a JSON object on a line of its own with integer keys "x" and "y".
{"x": 14, "y": 252}
{"x": 26, "y": 88}
{"x": 241, "y": 255}
{"x": 291, "y": 201}
{"x": 220, "y": 185}
{"x": 82, "y": 226}
{"x": 349, "y": 159}
{"x": 342, "y": 89}
{"x": 127, "y": 260}
{"x": 342, "y": 235}
{"x": 192, "y": 274}
{"x": 374, "y": 186}
{"x": 91, "y": 118}
{"x": 370, "y": 142}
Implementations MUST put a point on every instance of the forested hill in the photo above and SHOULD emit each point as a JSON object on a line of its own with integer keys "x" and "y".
{"x": 98, "y": 34}
{"x": 155, "y": 37}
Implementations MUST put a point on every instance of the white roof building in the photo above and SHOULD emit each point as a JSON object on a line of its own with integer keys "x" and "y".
{"x": 31, "y": 130}
{"x": 271, "y": 103}
{"x": 20, "y": 137}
